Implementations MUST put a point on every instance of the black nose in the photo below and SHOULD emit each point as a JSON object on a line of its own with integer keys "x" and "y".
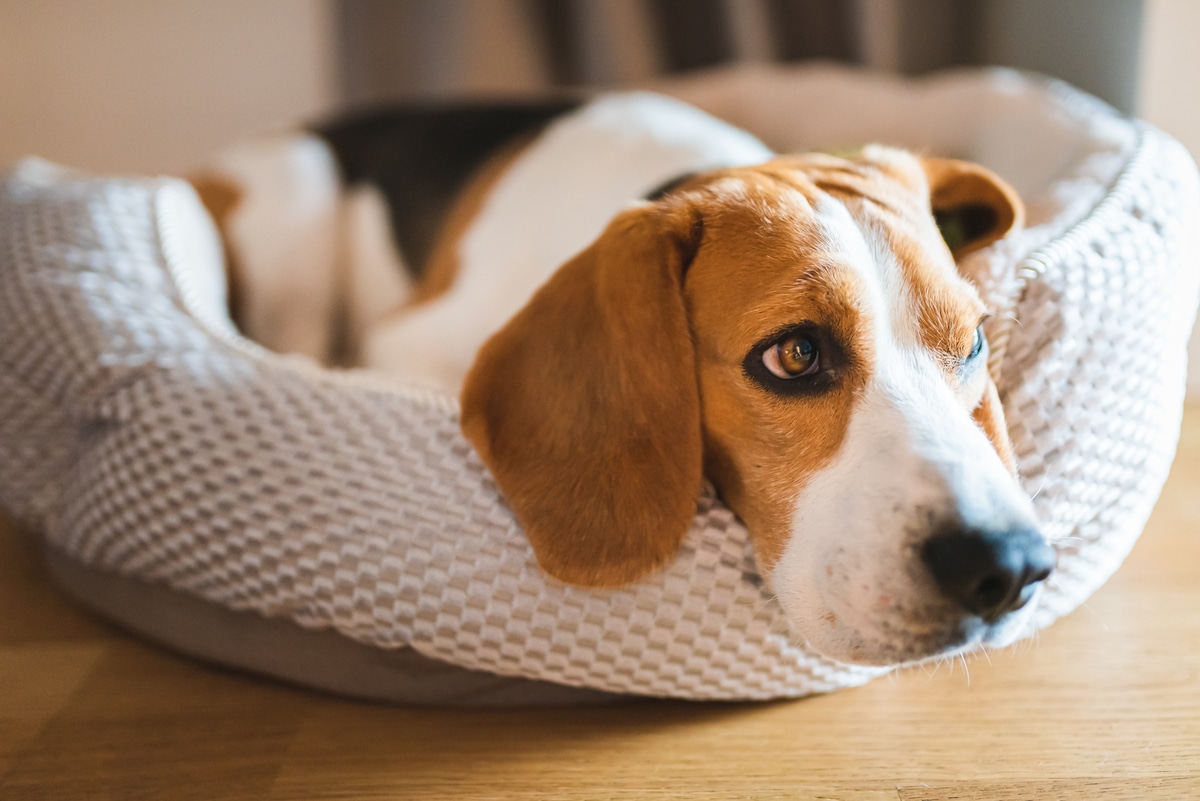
{"x": 989, "y": 573}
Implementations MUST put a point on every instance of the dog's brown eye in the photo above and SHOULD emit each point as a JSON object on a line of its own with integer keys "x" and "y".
{"x": 792, "y": 358}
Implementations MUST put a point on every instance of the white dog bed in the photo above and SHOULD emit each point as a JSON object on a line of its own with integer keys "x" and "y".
{"x": 335, "y": 528}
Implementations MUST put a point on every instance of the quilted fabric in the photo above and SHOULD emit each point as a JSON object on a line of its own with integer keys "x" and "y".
{"x": 142, "y": 436}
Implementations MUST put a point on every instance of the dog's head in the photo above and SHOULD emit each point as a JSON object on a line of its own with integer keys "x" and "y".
{"x": 797, "y": 331}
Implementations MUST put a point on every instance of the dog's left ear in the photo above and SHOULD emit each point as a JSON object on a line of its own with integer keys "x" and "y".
{"x": 972, "y": 205}
{"x": 585, "y": 407}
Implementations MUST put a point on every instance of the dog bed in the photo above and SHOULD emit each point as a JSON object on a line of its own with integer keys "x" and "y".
{"x": 335, "y": 529}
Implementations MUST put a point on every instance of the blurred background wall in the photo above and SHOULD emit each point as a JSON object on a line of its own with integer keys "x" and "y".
{"x": 154, "y": 85}
{"x": 400, "y": 48}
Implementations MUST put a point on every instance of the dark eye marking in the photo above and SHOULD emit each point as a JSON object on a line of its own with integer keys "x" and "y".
{"x": 794, "y": 357}
{"x": 799, "y": 360}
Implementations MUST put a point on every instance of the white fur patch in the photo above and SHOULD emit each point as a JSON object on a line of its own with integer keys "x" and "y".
{"x": 284, "y": 235}
{"x": 554, "y": 200}
{"x": 375, "y": 281}
{"x": 851, "y": 577}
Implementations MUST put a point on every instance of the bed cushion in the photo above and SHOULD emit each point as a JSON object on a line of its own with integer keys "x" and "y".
{"x": 148, "y": 443}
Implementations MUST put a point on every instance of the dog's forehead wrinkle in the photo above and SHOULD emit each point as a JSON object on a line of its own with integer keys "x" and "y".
{"x": 865, "y": 245}
{"x": 906, "y": 303}
{"x": 748, "y": 189}
{"x": 900, "y": 165}
{"x": 785, "y": 217}
{"x": 772, "y": 226}
{"x": 725, "y": 189}
{"x": 795, "y": 267}
{"x": 923, "y": 302}
{"x": 841, "y": 235}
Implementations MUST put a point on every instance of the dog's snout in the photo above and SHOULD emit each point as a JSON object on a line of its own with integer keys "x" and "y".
{"x": 989, "y": 573}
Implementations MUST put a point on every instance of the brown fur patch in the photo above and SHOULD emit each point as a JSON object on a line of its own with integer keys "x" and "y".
{"x": 594, "y": 405}
{"x": 764, "y": 266}
{"x": 585, "y": 406}
{"x": 948, "y": 311}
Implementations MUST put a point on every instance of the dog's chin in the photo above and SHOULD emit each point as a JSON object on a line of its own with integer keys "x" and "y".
{"x": 907, "y": 642}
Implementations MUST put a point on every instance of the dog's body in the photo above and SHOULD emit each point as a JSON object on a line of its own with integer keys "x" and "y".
{"x": 632, "y": 295}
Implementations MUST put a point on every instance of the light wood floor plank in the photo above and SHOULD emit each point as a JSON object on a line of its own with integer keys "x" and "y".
{"x": 1105, "y": 705}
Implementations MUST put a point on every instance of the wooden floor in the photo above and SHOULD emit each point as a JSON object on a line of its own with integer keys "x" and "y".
{"x": 1105, "y": 706}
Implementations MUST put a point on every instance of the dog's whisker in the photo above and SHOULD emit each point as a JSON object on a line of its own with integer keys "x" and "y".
{"x": 1039, "y": 489}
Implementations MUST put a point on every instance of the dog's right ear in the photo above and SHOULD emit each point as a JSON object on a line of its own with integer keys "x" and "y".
{"x": 586, "y": 409}
{"x": 972, "y": 205}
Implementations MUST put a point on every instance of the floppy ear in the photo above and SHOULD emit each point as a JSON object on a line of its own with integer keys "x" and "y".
{"x": 972, "y": 205}
{"x": 586, "y": 409}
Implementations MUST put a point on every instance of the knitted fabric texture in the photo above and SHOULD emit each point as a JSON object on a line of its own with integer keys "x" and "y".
{"x": 142, "y": 436}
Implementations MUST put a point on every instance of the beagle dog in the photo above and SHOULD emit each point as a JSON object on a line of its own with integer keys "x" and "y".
{"x": 631, "y": 296}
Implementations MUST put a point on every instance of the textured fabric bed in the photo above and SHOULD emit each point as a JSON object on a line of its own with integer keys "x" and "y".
{"x": 149, "y": 443}
{"x": 311, "y": 658}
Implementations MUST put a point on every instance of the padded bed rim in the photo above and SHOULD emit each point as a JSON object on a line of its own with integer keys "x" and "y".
{"x": 320, "y": 659}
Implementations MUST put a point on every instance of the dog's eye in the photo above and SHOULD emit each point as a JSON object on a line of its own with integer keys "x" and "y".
{"x": 977, "y": 345}
{"x": 792, "y": 357}
{"x": 803, "y": 360}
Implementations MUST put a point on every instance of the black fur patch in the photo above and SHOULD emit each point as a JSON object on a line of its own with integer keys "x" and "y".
{"x": 420, "y": 157}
